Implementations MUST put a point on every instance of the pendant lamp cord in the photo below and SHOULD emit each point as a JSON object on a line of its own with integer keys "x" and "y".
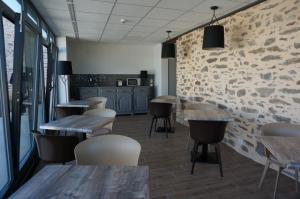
{"x": 214, "y": 18}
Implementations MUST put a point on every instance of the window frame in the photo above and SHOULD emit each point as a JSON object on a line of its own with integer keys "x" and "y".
{"x": 19, "y": 175}
{"x": 5, "y": 109}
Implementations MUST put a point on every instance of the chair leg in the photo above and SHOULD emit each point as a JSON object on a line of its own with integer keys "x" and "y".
{"x": 151, "y": 126}
{"x": 277, "y": 181}
{"x": 218, "y": 151}
{"x": 155, "y": 125}
{"x": 267, "y": 165}
{"x": 194, "y": 156}
{"x": 188, "y": 141}
{"x": 166, "y": 127}
{"x": 296, "y": 178}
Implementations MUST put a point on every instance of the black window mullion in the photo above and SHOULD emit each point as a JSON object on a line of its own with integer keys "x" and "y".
{"x": 4, "y": 103}
{"x": 16, "y": 102}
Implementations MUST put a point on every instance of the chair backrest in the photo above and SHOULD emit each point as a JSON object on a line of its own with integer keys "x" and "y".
{"x": 102, "y": 101}
{"x": 159, "y": 109}
{"x": 108, "y": 150}
{"x": 101, "y": 112}
{"x": 198, "y": 106}
{"x": 281, "y": 129}
{"x": 54, "y": 148}
{"x": 207, "y": 132}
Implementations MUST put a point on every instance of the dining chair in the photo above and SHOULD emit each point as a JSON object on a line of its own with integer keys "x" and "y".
{"x": 55, "y": 148}
{"x": 102, "y": 113}
{"x": 162, "y": 111}
{"x": 205, "y": 133}
{"x": 174, "y": 106}
{"x": 195, "y": 106}
{"x": 108, "y": 150}
{"x": 102, "y": 102}
{"x": 277, "y": 129}
{"x": 296, "y": 167}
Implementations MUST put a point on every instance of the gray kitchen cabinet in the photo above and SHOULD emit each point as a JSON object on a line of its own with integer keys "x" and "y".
{"x": 124, "y": 100}
{"x": 110, "y": 94}
{"x": 141, "y": 98}
{"x": 87, "y": 92}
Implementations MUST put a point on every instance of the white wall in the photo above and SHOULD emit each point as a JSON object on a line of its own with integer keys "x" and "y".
{"x": 62, "y": 48}
{"x": 103, "y": 58}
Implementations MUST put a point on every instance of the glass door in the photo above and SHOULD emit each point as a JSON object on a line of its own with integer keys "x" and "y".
{"x": 6, "y": 65}
{"x": 27, "y": 86}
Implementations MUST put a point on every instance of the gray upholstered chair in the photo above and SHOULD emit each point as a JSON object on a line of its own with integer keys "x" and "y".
{"x": 277, "y": 129}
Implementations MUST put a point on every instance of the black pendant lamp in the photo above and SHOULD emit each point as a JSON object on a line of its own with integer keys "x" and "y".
{"x": 213, "y": 37}
{"x": 168, "y": 49}
{"x": 64, "y": 68}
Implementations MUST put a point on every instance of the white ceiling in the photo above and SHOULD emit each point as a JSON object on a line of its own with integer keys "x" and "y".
{"x": 147, "y": 20}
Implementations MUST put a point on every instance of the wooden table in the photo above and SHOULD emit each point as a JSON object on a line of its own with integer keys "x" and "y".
{"x": 207, "y": 114}
{"x": 75, "y": 107}
{"x": 88, "y": 182}
{"x": 160, "y": 100}
{"x": 78, "y": 104}
{"x": 78, "y": 123}
{"x": 285, "y": 149}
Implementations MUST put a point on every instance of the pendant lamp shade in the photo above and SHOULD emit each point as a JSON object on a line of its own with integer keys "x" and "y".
{"x": 64, "y": 68}
{"x": 168, "y": 51}
{"x": 213, "y": 37}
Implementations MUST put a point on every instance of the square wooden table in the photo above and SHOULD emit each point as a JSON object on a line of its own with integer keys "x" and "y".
{"x": 78, "y": 104}
{"x": 78, "y": 123}
{"x": 88, "y": 182}
{"x": 285, "y": 149}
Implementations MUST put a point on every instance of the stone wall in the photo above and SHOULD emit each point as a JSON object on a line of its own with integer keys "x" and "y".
{"x": 257, "y": 75}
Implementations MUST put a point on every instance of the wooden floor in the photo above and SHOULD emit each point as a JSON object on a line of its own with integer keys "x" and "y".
{"x": 170, "y": 166}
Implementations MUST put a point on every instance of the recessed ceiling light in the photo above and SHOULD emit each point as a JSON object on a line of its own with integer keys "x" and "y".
{"x": 123, "y": 20}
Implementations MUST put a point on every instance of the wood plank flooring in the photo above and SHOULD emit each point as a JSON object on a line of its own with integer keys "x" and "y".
{"x": 169, "y": 163}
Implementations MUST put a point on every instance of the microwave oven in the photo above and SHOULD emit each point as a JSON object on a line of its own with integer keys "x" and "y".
{"x": 133, "y": 81}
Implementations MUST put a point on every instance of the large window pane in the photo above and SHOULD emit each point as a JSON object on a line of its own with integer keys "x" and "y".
{"x": 14, "y": 5}
{"x": 8, "y": 28}
{"x": 30, "y": 53}
{"x": 9, "y": 36}
{"x": 45, "y": 64}
{"x": 4, "y": 171}
{"x": 41, "y": 101}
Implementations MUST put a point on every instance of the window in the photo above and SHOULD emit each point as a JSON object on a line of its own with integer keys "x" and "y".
{"x": 9, "y": 36}
{"x": 29, "y": 61}
{"x": 8, "y": 29}
{"x": 14, "y": 5}
{"x": 45, "y": 64}
{"x": 31, "y": 14}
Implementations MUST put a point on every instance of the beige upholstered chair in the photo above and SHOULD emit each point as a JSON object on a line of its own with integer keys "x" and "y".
{"x": 102, "y": 101}
{"x": 108, "y": 150}
{"x": 102, "y": 113}
{"x": 277, "y": 129}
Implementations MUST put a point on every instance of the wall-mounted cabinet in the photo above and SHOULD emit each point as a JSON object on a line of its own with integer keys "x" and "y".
{"x": 124, "y": 100}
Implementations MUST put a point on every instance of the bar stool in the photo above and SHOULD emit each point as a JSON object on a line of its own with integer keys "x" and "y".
{"x": 162, "y": 111}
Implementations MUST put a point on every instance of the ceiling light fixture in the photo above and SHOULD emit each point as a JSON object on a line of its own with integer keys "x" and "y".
{"x": 168, "y": 48}
{"x": 213, "y": 37}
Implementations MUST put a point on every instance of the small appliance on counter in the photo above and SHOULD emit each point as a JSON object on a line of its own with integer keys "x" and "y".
{"x": 133, "y": 81}
{"x": 119, "y": 83}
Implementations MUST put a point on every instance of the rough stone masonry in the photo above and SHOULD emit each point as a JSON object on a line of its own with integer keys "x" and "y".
{"x": 257, "y": 75}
